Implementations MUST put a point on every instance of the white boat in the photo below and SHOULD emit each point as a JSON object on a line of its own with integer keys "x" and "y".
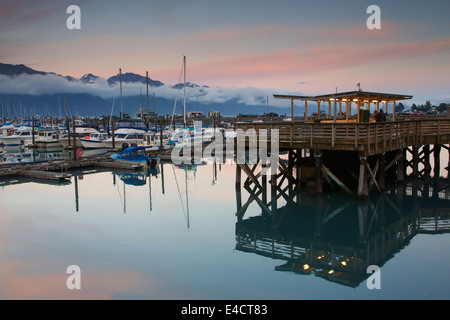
{"x": 23, "y": 135}
{"x": 81, "y": 131}
{"x": 94, "y": 141}
{"x": 153, "y": 140}
{"x": 48, "y": 139}
{"x": 192, "y": 135}
{"x": 130, "y": 132}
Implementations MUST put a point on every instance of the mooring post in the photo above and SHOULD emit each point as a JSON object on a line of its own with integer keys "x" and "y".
{"x": 112, "y": 134}
{"x": 161, "y": 138}
{"x": 68, "y": 130}
{"x": 33, "y": 133}
{"x": 318, "y": 172}
{"x": 74, "y": 148}
{"x": 363, "y": 186}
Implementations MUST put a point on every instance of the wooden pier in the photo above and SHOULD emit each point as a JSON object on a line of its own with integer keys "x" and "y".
{"x": 356, "y": 154}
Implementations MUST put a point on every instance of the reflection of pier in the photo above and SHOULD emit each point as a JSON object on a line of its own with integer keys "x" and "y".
{"x": 336, "y": 237}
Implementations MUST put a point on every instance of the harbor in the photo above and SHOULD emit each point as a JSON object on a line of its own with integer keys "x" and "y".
{"x": 224, "y": 159}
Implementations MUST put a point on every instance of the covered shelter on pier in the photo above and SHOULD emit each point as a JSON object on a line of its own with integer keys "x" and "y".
{"x": 363, "y": 100}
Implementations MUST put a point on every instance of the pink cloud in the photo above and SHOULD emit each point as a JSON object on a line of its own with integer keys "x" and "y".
{"x": 313, "y": 61}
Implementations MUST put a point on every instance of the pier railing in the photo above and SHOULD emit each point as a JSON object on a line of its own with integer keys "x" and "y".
{"x": 368, "y": 138}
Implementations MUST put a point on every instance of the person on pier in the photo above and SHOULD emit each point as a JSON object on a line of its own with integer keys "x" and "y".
{"x": 380, "y": 116}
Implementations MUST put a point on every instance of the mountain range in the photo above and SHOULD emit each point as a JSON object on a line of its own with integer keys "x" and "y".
{"x": 24, "y": 90}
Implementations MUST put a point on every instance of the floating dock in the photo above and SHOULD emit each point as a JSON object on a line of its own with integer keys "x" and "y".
{"x": 58, "y": 169}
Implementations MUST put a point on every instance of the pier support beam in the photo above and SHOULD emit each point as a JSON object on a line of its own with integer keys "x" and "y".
{"x": 238, "y": 188}
{"x": 381, "y": 172}
{"x": 437, "y": 161}
{"x": 318, "y": 172}
{"x": 363, "y": 185}
{"x": 415, "y": 161}
{"x": 426, "y": 157}
{"x": 401, "y": 166}
{"x": 273, "y": 192}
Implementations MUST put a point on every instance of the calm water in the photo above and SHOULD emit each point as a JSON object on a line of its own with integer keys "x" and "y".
{"x": 173, "y": 233}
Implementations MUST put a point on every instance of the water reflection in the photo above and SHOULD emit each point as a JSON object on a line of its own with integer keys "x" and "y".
{"x": 334, "y": 237}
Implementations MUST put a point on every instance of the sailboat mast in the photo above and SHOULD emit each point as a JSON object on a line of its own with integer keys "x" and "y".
{"x": 121, "y": 102}
{"x": 184, "y": 87}
{"x": 146, "y": 77}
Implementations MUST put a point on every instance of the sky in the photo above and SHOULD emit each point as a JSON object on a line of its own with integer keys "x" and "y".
{"x": 307, "y": 47}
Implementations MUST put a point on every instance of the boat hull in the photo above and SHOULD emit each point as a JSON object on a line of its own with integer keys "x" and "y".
{"x": 65, "y": 143}
{"x": 12, "y": 141}
{"x": 54, "y": 144}
{"x": 119, "y": 143}
{"x": 92, "y": 144}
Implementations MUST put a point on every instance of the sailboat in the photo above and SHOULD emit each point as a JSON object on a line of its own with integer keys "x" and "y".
{"x": 130, "y": 132}
{"x": 187, "y": 136}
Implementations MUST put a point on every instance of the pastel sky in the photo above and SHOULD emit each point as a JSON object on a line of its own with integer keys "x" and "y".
{"x": 307, "y": 46}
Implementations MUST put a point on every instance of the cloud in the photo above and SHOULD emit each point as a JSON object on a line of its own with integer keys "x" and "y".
{"x": 53, "y": 84}
{"x": 320, "y": 59}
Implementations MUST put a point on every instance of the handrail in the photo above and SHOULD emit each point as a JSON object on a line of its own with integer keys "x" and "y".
{"x": 373, "y": 137}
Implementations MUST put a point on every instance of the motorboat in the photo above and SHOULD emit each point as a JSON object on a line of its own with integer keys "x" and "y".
{"x": 135, "y": 155}
{"x": 130, "y": 132}
{"x": 23, "y": 135}
{"x": 48, "y": 139}
{"x": 94, "y": 140}
{"x": 153, "y": 140}
{"x": 81, "y": 131}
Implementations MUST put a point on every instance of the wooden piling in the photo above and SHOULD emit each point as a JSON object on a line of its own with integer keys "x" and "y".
{"x": 437, "y": 161}
{"x": 112, "y": 134}
{"x": 363, "y": 185}
{"x": 68, "y": 130}
{"x": 273, "y": 192}
{"x": 381, "y": 172}
{"x": 415, "y": 161}
{"x": 33, "y": 133}
{"x": 426, "y": 157}
{"x": 74, "y": 145}
{"x": 401, "y": 166}
{"x": 318, "y": 172}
